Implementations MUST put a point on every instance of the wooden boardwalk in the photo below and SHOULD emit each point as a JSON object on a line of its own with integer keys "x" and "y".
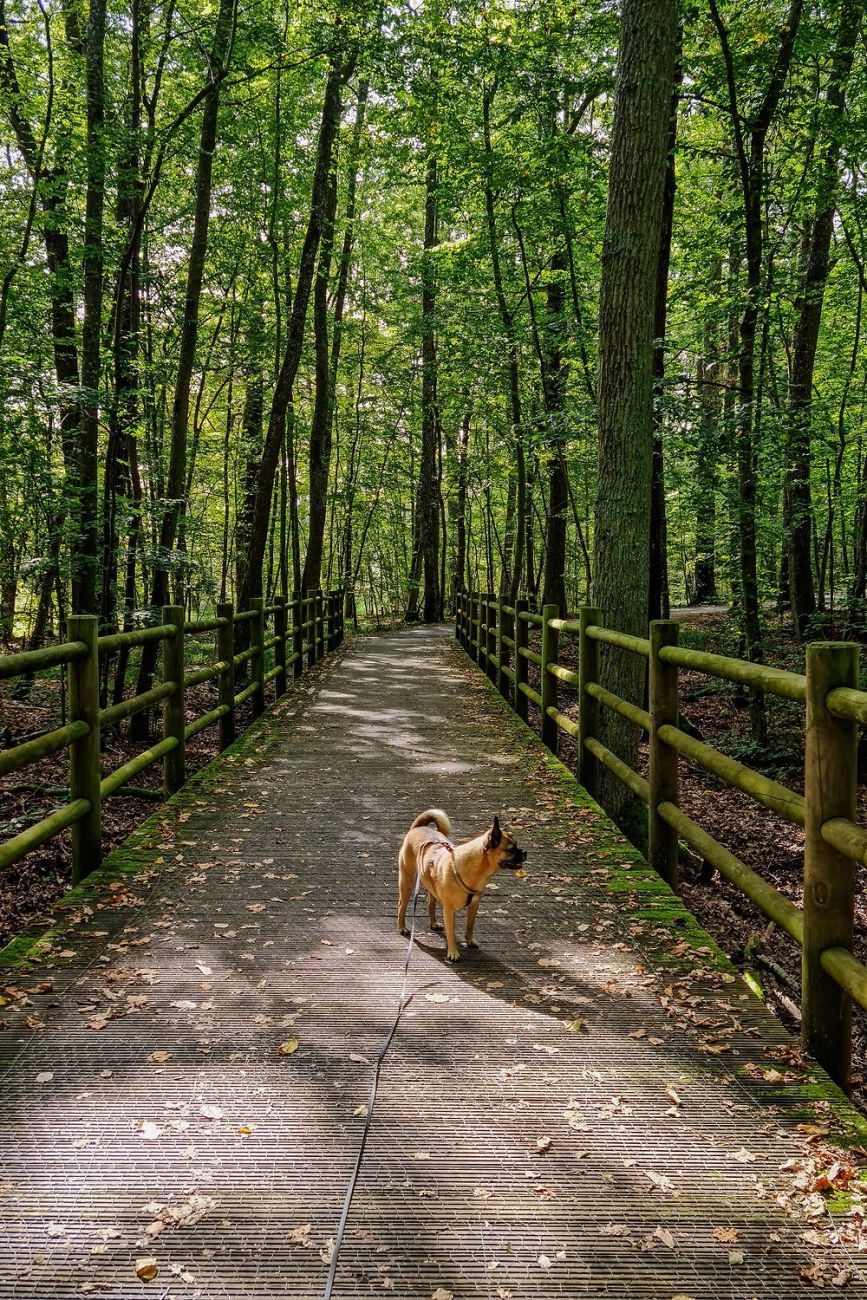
{"x": 592, "y": 1104}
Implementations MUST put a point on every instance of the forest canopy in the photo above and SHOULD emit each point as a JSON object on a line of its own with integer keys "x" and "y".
{"x": 299, "y": 296}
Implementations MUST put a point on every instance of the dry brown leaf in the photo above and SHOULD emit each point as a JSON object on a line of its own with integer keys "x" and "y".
{"x": 146, "y": 1268}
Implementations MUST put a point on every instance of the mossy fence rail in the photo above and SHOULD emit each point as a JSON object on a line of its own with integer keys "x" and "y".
{"x": 496, "y": 636}
{"x": 302, "y": 630}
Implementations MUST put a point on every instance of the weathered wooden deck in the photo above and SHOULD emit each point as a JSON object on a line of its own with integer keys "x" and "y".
{"x": 665, "y": 1145}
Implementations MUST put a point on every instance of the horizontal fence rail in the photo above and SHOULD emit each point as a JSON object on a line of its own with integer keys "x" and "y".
{"x": 304, "y": 629}
{"x": 497, "y": 637}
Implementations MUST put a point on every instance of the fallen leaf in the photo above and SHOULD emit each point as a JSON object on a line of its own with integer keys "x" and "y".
{"x": 160, "y": 1056}
{"x": 736, "y": 1257}
{"x": 543, "y": 1261}
{"x": 543, "y": 1144}
{"x": 146, "y": 1268}
{"x": 436, "y": 997}
{"x": 360, "y": 1111}
{"x": 358, "y": 1058}
{"x": 45, "y": 1076}
{"x": 743, "y": 1156}
{"x": 442, "y": 1294}
{"x": 300, "y": 1236}
{"x": 287, "y": 1048}
{"x": 326, "y": 1254}
{"x": 725, "y": 1234}
{"x": 577, "y": 1026}
{"x": 663, "y": 1235}
{"x": 210, "y": 1111}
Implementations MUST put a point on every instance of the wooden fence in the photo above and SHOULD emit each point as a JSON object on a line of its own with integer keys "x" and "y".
{"x": 496, "y": 635}
{"x": 304, "y": 629}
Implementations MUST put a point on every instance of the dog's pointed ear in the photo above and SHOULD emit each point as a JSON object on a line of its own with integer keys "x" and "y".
{"x": 494, "y": 835}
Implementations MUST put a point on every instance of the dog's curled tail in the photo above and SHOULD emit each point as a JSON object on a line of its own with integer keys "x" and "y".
{"x": 435, "y": 815}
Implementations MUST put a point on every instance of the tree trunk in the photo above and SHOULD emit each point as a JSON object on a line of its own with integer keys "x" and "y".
{"x": 176, "y": 479}
{"x": 658, "y": 600}
{"x": 281, "y": 400}
{"x": 750, "y": 136}
{"x": 630, "y": 258}
{"x": 427, "y": 499}
{"x": 798, "y": 502}
{"x": 554, "y": 377}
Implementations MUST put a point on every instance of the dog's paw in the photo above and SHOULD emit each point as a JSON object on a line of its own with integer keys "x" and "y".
{"x": 404, "y": 932}
{"x": 471, "y": 943}
{"x": 437, "y": 929}
{"x": 453, "y": 956}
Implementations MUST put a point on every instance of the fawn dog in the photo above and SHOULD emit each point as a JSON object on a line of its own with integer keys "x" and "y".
{"x": 453, "y": 875}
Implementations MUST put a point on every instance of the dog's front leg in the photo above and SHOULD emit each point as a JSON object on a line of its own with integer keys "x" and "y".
{"x": 453, "y": 952}
{"x": 472, "y": 909}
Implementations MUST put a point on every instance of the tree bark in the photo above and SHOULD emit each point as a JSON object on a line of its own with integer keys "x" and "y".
{"x": 630, "y": 257}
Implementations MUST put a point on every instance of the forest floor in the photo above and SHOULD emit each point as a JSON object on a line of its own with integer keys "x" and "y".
{"x": 769, "y": 844}
{"x": 30, "y": 887}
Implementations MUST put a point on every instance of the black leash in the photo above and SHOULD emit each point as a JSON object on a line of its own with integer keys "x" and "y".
{"x": 371, "y": 1100}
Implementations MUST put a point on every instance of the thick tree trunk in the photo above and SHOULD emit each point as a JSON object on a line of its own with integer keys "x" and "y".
{"x": 633, "y": 228}
{"x": 658, "y": 600}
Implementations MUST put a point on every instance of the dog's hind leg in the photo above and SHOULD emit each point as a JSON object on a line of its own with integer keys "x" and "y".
{"x": 405, "y": 884}
{"x": 472, "y": 909}
{"x": 453, "y": 952}
{"x": 432, "y": 912}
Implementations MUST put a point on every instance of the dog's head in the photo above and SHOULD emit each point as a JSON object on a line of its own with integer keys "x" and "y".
{"x": 503, "y": 849}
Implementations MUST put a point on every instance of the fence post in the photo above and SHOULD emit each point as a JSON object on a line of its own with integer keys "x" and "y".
{"x": 310, "y": 632}
{"x": 175, "y": 762}
{"x": 662, "y": 760}
{"x": 319, "y": 607}
{"x": 280, "y": 647}
{"x": 588, "y": 708}
{"x": 490, "y": 638}
{"x": 458, "y": 616}
{"x": 296, "y": 609}
{"x": 547, "y": 681}
{"x": 481, "y": 659}
{"x": 226, "y": 681}
{"x": 257, "y": 659}
{"x": 505, "y": 627}
{"x": 522, "y": 636}
{"x": 84, "y": 767}
{"x": 830, "y": 787}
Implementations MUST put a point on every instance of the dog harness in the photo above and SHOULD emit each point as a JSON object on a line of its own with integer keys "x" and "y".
{"x": 446, "y": 844}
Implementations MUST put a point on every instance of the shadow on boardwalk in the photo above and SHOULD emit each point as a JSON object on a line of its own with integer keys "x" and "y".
{"x": 593, "y": 1104}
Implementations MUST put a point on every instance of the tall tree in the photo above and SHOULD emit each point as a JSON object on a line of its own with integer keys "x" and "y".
{"x": 633, "y": 227}
{"x": 798, "y": 497}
